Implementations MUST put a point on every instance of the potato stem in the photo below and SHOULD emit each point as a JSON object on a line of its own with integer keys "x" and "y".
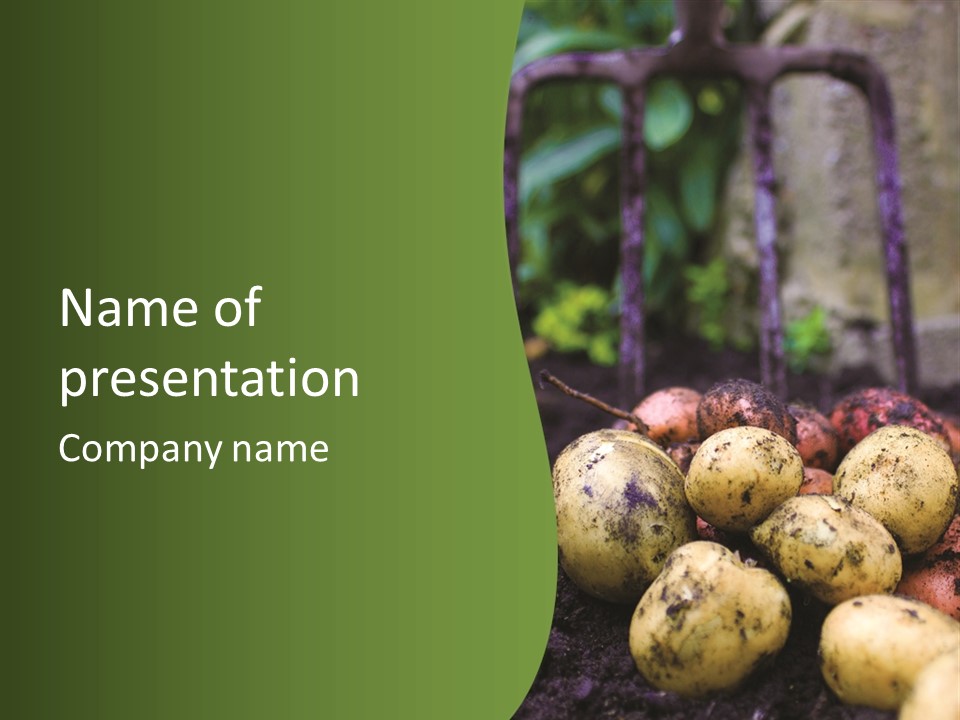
{"x": 641, "y": 427}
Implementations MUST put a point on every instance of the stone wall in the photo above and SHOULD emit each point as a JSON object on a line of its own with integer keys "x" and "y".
{"x": 831, "y": 246}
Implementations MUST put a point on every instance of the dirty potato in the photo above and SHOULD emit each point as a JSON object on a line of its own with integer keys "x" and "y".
{"x": 906, "y": 480}
{"x": 934, "y": 695}
{"x": 951, "y": 425}
{"x": 861, "y": 413}
{"x": 816, "y": 482}
{"x": 817, "y": 441}
{"x": 682, "y": 454}
{"x": 670, "y": 415}
{"x": 830, "y": 548}
{"x": 620, "y": 512}
{"x": 735, "y": 403}
{"x": 873, "y": 647}
{"x": 934, "y": 575}
{"x": 739, "y": 475}
{"x": 708, "y": 621}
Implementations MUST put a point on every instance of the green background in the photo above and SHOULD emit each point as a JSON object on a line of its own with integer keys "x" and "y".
{"x": 346, "y": 157}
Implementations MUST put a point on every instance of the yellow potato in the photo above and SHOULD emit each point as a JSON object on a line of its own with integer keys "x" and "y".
{"x": 906, "y": 480}
{"x": 739, "y": 475}
{"x": 936, "y": 691}
{"x": 832, "y": 549}
{"x": 620, "y": 512}
{"x": 708, "y": 621}
{"x": 872, "y": 648}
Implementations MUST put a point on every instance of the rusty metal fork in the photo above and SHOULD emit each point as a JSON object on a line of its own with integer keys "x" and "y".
{"x": 697, "y": 48}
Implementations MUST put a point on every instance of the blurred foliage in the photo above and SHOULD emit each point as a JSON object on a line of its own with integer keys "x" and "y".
{"x": 569, "y": 177}
{"x": 707, "y": 292}
{"x": 806, "y": 338}
{"x": 581, "y": 317}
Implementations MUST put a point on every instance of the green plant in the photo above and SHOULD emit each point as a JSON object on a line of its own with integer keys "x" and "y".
{"x": 806, "y": 338}
{"x": 581, "y": 318}
{"x": 707, "y": 291}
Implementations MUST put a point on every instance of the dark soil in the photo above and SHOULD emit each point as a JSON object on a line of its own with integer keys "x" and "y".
{"x": 587, "y": 670}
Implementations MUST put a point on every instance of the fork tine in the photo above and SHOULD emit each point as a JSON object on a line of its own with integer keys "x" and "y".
{"x": 772, "y": 369}
{"x": 632, "y": 206}
{"x": 891, "y": 218}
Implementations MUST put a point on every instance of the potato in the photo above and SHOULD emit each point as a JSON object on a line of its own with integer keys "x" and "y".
{"x": 620, "y": 512}
{"x": 739, "y": 475}
{"x": 830, "y": 548}
{"x": 862, "y": 412}
{"x": 873, "y": 647}
{"x": 906, "y": 480}
{"x": 670, "y": 415}
{"x": 934, "y": 576}
{"x": 682, "y": 454}
{"x": 951, "y": 425}
{"x": 706, "y": 531}
{"x": 737, "y": 542}
{"x": 816, "y": 482}
{"x": 735, "y": 403}
{"x": 935, "y": 695}
{"x": 708, "y": 621}
{"x": 816, "y": 439}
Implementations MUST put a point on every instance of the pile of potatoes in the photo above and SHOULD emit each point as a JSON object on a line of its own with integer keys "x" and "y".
{"x": 858, "y": 510}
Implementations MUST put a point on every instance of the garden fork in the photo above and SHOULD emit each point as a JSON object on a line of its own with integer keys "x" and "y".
{"x": 697, "y": 48}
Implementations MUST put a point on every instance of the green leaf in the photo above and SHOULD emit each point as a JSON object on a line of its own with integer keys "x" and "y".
{"x": 805, "y": 338}
{"x": 669, "y": 113}
{"x": 707, "y": 288}
{"x": 663, "y": 224}
{"x": 611, "y": 100}
{"x": 654, "y": 17}
{"x": 564, "y": 39}
{"x": 580, "y": 318}
{"x": 707, "y": 284}
{"x": 710, "y": 100}
{"x": 602, "y": 349}
{"x": 554, "y": 160}
{"x": 652, "y": 257}
{"x": 665, "y": 249}
{"x": 698, "y": 186}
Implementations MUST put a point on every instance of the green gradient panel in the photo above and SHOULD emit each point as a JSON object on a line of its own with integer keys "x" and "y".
{"x": 346, "y": 157}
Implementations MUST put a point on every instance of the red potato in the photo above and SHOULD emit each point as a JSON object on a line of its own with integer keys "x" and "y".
{"x": 951, "y": 424}
{"x": 934, "y": 577}
{"x": 682, "y": 453}
{"x": 738, "y": 542}
{"x": 816, "y": 482}
{"x": 860, "y": 413}
{"x": 737, "y": 403}
{"x": 816, "y": 439}
{"x": 670, "y": 415}
{"x": 706, "y": 531}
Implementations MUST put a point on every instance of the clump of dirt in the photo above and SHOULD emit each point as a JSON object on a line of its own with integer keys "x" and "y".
{"x": 587, "y": 670}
